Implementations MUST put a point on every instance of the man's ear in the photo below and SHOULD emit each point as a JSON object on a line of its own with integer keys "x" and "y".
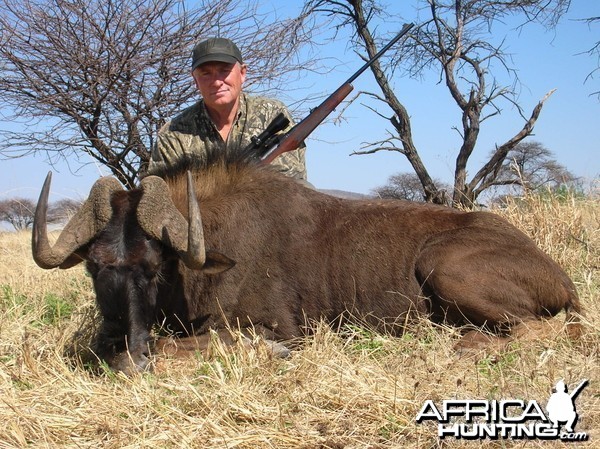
{"x": 217, "y": 263}
{"x": 243, "y": 72}
{"x": 195, "y": 77}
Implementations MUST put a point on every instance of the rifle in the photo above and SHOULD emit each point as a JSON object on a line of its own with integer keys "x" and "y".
{"x": 269, "y": 144}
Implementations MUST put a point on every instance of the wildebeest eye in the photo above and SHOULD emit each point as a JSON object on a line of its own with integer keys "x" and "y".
{"x": 102, "y": 269}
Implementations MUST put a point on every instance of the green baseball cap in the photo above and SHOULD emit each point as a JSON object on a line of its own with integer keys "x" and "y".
{"x": 215, "y": 49}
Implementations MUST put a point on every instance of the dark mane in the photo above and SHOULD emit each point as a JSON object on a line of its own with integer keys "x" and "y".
{"x": 199, "y": 163}
{"x": 222, "y": 178}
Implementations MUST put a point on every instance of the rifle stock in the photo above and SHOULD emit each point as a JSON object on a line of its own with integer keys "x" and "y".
{"x": 294, "y": 138}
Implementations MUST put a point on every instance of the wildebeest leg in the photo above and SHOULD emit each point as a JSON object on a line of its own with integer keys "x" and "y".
{"x": 462, "y": 295}
{"x": 192, "y": 345}
{"x": 475, "y": 341}
{"x": 491, "y": 284}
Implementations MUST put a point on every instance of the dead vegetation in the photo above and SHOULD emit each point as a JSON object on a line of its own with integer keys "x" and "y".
{"x": 349, "y": 389}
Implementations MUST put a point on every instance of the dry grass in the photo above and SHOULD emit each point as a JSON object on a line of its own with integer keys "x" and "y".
{"x": 354, "y": 389}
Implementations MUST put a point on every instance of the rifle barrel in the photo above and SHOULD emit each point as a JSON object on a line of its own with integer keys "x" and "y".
{"x": 403, "y": 31}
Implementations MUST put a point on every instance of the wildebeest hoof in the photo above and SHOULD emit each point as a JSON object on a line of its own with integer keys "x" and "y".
{"x": 278, "y": 349}
{"x": 200, "y": 344}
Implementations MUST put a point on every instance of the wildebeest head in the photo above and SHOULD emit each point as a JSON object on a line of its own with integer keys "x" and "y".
{"x": 126, "y": 238}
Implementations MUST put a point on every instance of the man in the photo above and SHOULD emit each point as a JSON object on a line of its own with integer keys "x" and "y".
{"x": 225, "y": 119}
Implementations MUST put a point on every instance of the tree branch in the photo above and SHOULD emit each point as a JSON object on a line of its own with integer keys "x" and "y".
{"x": 492, "y": 167}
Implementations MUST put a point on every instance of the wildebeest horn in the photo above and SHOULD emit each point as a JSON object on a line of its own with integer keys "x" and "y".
{"x": 159, "y": 218}
{"x": 90, "y": 219}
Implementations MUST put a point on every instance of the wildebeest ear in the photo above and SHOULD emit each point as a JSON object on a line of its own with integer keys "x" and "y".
{"x": 217, "y": 263}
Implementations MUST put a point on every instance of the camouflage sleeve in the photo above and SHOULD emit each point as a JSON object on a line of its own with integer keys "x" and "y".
{"x": 176, "y": 139}
{"x": 170, "y": 146}
{"x": 162, "y": 151}
{"x": 292, "y": 163}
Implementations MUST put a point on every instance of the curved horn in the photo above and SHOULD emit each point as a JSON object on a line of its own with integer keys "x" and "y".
{"x": 90, "y": 219}
{"x": 159, "y": 218}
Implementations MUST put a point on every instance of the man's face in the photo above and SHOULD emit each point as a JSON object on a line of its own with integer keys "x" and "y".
{"x": 220, "y": 83}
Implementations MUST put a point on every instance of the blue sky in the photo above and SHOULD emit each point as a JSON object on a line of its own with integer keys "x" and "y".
{"x": 569, "y": 124}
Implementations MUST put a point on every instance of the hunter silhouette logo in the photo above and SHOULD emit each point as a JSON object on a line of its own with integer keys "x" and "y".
{"x": 473, "y": 419}
{"x": 561, "y": 405}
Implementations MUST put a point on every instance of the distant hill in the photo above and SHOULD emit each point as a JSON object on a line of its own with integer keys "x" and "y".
{"x": 344, "y": 194}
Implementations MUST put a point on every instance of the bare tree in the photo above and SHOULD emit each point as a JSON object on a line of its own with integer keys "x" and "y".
{"x": 18, "y": 212}
{"x": 530, "y": 166}
{"x": 99, "y": 77}
{"x": 405, "y": 186}
{"x": 62, "y": 210}
{"x": 455, "y": 40}
{"x": 594, "y": 52}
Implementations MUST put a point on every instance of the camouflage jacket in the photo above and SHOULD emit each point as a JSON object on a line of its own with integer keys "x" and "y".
{"x": 193, "y": 132}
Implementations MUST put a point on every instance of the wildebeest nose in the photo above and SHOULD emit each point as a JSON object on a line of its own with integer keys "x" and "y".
{"x": 130, "y": 364}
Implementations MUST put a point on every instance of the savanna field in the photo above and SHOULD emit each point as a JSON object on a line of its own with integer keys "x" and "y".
{"x": 348, "y": 389}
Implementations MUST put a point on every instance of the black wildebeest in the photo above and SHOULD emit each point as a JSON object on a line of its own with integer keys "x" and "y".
{"x": 236, "y": 243}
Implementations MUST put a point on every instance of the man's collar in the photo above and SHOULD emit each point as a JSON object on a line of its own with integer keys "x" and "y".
{"x": 242, "y": 105}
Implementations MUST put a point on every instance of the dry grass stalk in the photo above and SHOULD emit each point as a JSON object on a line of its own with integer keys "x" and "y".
{"x": 350, "y": 389}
